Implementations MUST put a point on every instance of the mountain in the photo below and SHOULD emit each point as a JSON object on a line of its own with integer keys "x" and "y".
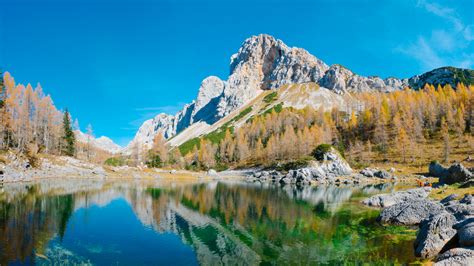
{"x": 103, "y": 143}
{"x": 264, "y": 63}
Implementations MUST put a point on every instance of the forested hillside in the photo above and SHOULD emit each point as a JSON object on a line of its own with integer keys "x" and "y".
{"x": 30, "y": 124}
{"x": 410, "y": 127}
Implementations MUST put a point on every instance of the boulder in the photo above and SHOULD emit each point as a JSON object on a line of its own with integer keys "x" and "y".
{"x": 410, "y": 212}
{"x": 456, "y": 173}
{"x": 467, "y": 199}
{"x": 460, "y": 211}
{"x": 387, "y": 200}
{"x": 433, "y": 234}
{"x": 469, "y": 183}
{"x": 456, "y": 256}
{"x": 466, "y": 234}
{"x": 212, "y": 172}
{"x": 383, "y": 174}
{"x": 437, "y": 170}
{"x": 449, "y": 199}
{"x": 368, "y": 172}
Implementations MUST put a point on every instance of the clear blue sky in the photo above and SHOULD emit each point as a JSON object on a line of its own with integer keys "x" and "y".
{"x": 116, "y": 63}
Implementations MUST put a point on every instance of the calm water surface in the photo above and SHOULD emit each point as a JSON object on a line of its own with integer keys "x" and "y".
{"x": 166, "y": 223}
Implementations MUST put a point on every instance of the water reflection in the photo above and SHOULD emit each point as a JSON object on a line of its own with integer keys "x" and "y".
{"x": 83, "y": 221}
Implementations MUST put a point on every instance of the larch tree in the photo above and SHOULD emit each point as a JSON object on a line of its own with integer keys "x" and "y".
{"x": 444, "y": 131}
{"x": 402, "y": 143}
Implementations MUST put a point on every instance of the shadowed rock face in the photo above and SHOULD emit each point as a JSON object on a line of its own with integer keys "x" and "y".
{"x": 456, "y": 256}
{"x": 456, "y": 173}
{"x": 434, "y": 234}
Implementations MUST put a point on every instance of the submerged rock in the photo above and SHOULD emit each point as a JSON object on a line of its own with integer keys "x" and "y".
{"x": 410, "y": 212}
{"x": 433, "y": 234}
{"x": 386, "y": 200}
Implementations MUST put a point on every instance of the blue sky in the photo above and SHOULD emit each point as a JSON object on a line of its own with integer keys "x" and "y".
{"x": 116, "y": 63}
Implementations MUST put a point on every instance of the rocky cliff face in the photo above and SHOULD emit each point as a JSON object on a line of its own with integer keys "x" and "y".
{"x": 263, "y": 63}
{"x": 342, "y": 80}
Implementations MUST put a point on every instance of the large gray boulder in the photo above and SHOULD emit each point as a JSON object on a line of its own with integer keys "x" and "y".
{"x": 387, "y": 200}
{"x": 456, "y": 256}
{"x": 466, "y": 233}
{"x": 433, "y": 234}
{"x": 456, "y": 173}
{"x": 437, "y": 170}
{"x": 410, "y": 212}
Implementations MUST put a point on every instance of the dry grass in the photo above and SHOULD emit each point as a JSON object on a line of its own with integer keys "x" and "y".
{"x": 442, "y": 192}
{"x": 423, "y": 154}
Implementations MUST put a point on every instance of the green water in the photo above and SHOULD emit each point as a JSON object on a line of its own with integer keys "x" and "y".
{"x": 212, "y": 223}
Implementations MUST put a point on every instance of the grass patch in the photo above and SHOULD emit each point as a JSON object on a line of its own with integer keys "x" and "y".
{"x": 291, "y": 165}
{"x": 277, "y": 108}
{"x": 188, "y": 146}
{"x": 319, "y": 152}
{"x": 215, "y": 136}
{"x": 115, "y": 161}
{"x": 442, "y": 192}
{"x": 270, "y": 97}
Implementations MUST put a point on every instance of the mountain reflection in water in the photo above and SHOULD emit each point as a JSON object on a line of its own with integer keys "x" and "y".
{"x": 211, "y": 223}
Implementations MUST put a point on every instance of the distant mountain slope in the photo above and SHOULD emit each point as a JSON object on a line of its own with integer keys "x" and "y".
{"x": 102, "y": 143}
{"x": 264, "y": 63}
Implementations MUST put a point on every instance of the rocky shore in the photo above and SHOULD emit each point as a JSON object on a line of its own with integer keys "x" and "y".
{"x": 445, "y": 227}
{"x": 19, "y": 169}
{"x": 331, "y": 169}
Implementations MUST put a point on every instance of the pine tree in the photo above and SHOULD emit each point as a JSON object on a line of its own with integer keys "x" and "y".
{"x": 69, "y": 140}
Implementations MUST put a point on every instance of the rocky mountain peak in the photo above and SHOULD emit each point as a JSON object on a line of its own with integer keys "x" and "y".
{"x": 264, "y": 62}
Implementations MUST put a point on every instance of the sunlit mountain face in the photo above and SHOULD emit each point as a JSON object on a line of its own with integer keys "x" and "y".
{"x": 103, "y": 222}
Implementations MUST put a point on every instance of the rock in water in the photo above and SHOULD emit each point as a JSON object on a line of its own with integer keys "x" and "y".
{"x": 387, "y": 200}
{"x": 433, "y": 234}
{"x": 410, "y": 212}
{"x": 456, "y": 256}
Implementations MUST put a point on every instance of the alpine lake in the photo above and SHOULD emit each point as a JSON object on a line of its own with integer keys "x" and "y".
{"x": 133, "y": 222}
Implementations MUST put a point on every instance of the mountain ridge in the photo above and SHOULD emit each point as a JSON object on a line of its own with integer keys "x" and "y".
{"x": 266, "y": 63}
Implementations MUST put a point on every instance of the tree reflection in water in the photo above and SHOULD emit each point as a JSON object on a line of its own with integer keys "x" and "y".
{"x": 224, "y": 223}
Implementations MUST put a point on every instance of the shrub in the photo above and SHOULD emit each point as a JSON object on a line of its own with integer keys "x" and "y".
{"x": 115, "y": 161}
{"x": 296, "y": 164}
{"x": 318, "y": 152}
{"x": 154, "y": 161}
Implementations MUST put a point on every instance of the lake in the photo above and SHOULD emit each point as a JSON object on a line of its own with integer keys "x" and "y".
{"x": 188, "y": 223}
